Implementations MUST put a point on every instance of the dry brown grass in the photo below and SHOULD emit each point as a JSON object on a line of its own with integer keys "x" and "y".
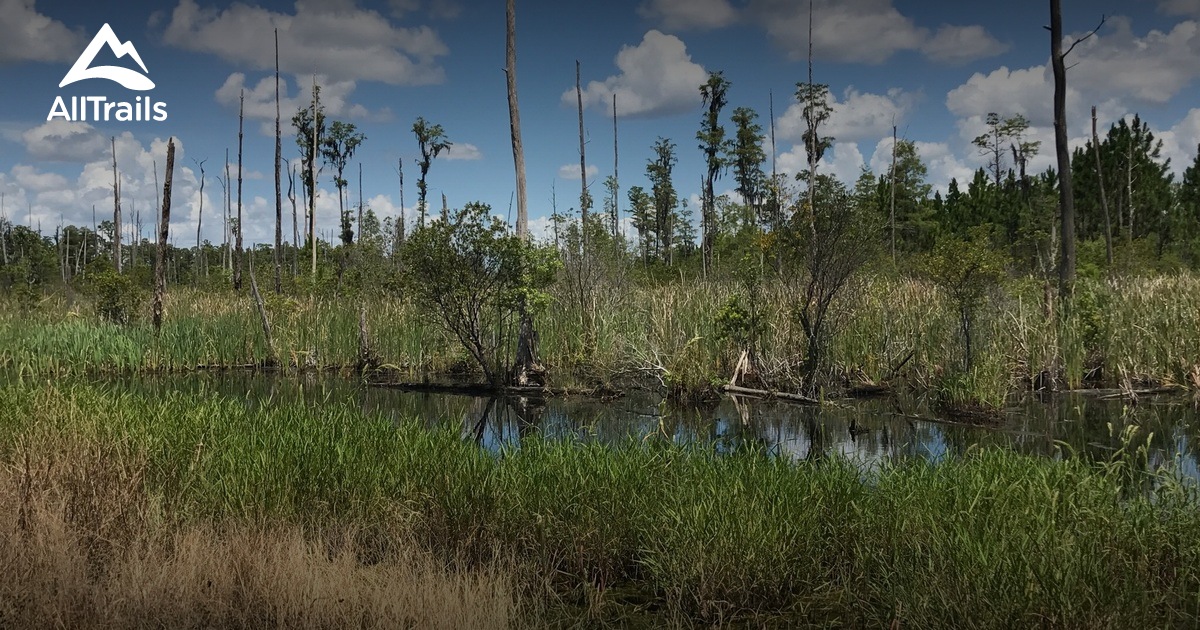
{"x": 83, "y": 545}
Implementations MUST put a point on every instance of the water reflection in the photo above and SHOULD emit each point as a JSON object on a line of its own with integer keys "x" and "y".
{"x": 871, "y": 431}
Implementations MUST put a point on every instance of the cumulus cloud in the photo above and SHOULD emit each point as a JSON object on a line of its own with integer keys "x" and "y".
{"x": 571, "y": 171}
{"x": 956, "y": 45}
{"x": 1180, "y": 7}
{"x": 864, "y": 31}
{"x": 62, "y": 141}
{"x": 333, "y": 39}
{"x": 844, "y": 161}
{"x": 657, "y": 77}
{"x": 462, "y": 151}
{"x": 689, "y": 14}
{"x": 26, "y": 35}
{"x": 857, "y": 116}
{"x": 260, "y": 100}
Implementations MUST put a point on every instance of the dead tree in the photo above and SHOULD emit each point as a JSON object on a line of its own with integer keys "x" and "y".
{"x": 116, "y": 210}
{"x": 583, "y": 194}
{"x": 1066, "y": 196}
{"x": 237, "y": 265}
{"x": 278, "y": 184}
{"x": 200, "y": 215}
{"x": 526, "y": 369}
{"x": 164, "y": 224}
{"x": 1108, "y": 247}
{"x": 295, "y": 226}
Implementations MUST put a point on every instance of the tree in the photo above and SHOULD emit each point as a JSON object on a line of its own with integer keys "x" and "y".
{"x": 821, "y": 259}
{"x": 658, "y": 171}
{"x": 1003, "y": 136}
{"x": 337, "y": 149}
{"x": 164, "y": 224}
{"x": 967, "y": 269}
{"x": 432, "y": 141}
{"x": 474, "y": 274}
{"x": 1066, "y": 196}
{"x": 815, "y": 99}
{"x": 238, "y": 252}
{"x": 713, "y": 144}
{"x": 746, "y": 156}
{"x": 1187, "y": 218}
{"x": 278, "y": 183}
{"x": 641, "y": 207}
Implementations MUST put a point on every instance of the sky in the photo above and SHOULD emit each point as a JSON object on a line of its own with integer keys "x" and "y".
{"x": 934, "y": 69}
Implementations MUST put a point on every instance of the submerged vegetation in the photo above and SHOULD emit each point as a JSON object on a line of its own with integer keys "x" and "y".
{"x": 105, "y": 489}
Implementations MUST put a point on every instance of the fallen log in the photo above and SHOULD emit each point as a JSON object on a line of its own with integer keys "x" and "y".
{"x": 763, "y": 393}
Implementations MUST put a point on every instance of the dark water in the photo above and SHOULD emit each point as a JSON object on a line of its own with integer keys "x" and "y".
{"x": 870, "y": 431}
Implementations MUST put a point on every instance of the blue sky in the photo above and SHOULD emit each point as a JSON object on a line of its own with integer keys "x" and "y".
{"x": 935, "y": 68}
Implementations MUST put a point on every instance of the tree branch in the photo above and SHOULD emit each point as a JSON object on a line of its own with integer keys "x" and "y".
{"x": 1079, "y": 41}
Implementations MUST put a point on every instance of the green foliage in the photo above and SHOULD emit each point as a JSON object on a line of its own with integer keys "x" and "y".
{"x": 968, "y": 270}
{"x": 474, "y": 274}
{"x": 118, "y": 299}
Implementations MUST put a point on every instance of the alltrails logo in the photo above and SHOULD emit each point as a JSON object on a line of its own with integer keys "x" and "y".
{"x": 99, "y": 107}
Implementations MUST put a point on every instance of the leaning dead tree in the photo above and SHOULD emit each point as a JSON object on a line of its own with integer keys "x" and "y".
{"x": 526, "y": 368}
{"x": 200, "y": 216}
{"x": 164, "y": 223}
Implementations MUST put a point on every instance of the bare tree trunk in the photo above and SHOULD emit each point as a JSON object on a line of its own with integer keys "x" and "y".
{"x": 237, "y": 266}
{"x": 616, "y": 219}
{"x": 514, "y": 116}
{"x": 295, "y": 226}
{"x": 360, "y": 202}
{"x": 262, "y": 317}
{"x": 1066, "y": 197}
{"x": 1129, "y": 190}
{"x": 399, "y": 242}
{"x": 812, "y": 162}
{"x": 200, "y": 215}
{"x": 583, "y": 209}
{"x": 445, "y": 209}
{"x": 4, "y": 233}
{"x": 526, "y": 368}
{"x": 116, "y": 210}
{"x": 312, "y": 190}
{"x": 278, "y": 183}
{"x": 1108, "y": 248}
{"x": 227, "y": 257}
{"x": 893, "y": 202}
{"x": 164, "y": 224}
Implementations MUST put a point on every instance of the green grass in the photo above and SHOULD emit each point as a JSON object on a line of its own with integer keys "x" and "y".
{"x": 679, "y": 533}
{"x": 1124, "y": 331}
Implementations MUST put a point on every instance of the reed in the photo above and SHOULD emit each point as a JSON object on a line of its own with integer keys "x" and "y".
{"x": 993, "y": 539}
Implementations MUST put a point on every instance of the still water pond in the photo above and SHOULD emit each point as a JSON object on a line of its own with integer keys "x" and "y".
{"x": 870, "y": 431}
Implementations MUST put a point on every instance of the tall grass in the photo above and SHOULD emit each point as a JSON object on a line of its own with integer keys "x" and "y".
{"x": 1126, "y": 331}
{"x": 650, "y": 528}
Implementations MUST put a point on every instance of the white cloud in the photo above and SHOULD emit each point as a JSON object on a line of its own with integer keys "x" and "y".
{"x": 30, "y": 178}
{"x": 689, "y": 14}
{"x": 1150, "y": 69}
{"x": 657, "y": 77}
{"x": 26, "y": 35}
{"x": 858, "y": 116}
{"x": 1181, "y": 142}
{"x": 462, "y": 151}
{"x": 342, "y": 42}
{"x": 62, "y": 141}
{"x": 864, "y": 31}
{"x": 260, "y": 100}
{"x": 843, "y": 161}
{"x": 571, "y": 171}
{"x": 1180, "y": 7}
{"x": 962, "y": 44}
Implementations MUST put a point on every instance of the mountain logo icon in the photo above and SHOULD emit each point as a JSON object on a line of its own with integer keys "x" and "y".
{"x": 130, "y": 79}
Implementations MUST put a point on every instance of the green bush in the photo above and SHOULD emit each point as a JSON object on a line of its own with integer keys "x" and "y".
{"x": 118, "y": 298}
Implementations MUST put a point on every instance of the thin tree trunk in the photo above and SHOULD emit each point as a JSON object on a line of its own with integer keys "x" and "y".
{"x": 583, "y": 209}
{"x": 893, "y": 202}
{"x": 116, "y": 210}
{"x": 278, "y": 183}
{"x": 400, "y": 223}
{"x": 1129, "y": 190}
{"x": 227, "y": 255}
{"x": 238, "y": 253}
{"x": 164, "y": 224}
{"x": 1108, "y": 248}
{"x": 4, "y": 233}
{"x": 295, "y": 225}
{"x": 445, "y": 210}
{"x": 360, "y": 202}
{"x": 200, "y": 215}
{"x": 312, "y": 187}
{"x": 616, "y": 219}
{"x": 1066, "y": 197}
{"x": 514, "y": 116}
